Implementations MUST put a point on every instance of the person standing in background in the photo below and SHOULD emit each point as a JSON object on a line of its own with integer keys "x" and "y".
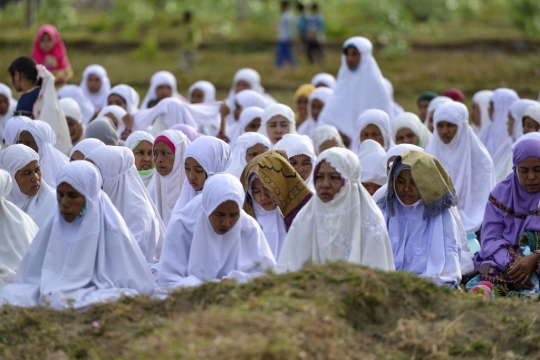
{"x": 301, "y": 25}
{"x": 190, "y": 40}
{"x": 285, "y": 37}
{"x": 316, "y": 34}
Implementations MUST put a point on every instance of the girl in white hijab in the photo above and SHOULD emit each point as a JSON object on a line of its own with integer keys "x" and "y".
{"x": 40, "y": 137}
{"x": 205, "y": 157}
{"x": 423, "y": 224}
{"x": 29, "y": 192}
{"x": 323, "y": 80}
{"x": 466, "y": 159}
{"x": 79, "y": 151}
{"x": 480, "y": 110}
{"x": 249, "y": 121}
{"x": 84, "y": 254}
{"x": 74, "y": 92}
{"x": 169, "y": 149}
{"x": 316, "y": 102}
{"x": 122, "y": 184}
{"x": 373, "y": 124}
{"x": 124, "y": 96}
{"x": 17, "y": 230}
{"x": 495, "y": 134}
{"x": 433, "y": 105}
{"x": 326, "y": 137}
{"x": 360, "y": 86}
{"x": 202, "y": 92}
{"x": 7, "y": 107}
{"x": 276, "y": 121}
{"x": 13, "y": 128}
{"x": 162, "y": 85}
{"x": 247, "y": 146}
{"x": 340, "y": 223}
{"x": 301, "y": 154}
{"x": 141, "y": 144}
{"x": 371, "y": 156}
{"x": 95, "y": 85}
{"x": 72, "y": 112}
{"x": 242, "y": 100}
{"x": 408, "y": 128}
{"x": 213, "y": 239}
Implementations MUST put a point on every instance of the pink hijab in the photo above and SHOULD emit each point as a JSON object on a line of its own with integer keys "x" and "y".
{"x": 56, "y": 59}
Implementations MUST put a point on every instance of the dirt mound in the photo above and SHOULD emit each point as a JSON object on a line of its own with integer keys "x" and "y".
{"x": 338, "y": 311}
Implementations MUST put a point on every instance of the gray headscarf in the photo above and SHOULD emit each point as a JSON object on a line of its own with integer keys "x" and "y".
{"x": 102, "y": 128}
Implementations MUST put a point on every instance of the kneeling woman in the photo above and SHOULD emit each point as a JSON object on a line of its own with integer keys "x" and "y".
{"x": 74, "y": 259}
{"x": 213, "y": 239}
{"x": 422, "y": 220}
{"x": 275, "y": 194}
{"x": 341, "y": 223}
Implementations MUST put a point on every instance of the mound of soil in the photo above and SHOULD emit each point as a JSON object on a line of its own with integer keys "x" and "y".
{"x": 337, "y": 311}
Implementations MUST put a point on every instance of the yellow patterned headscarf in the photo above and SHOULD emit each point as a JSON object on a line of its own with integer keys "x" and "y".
{"x": 278, "y": 176}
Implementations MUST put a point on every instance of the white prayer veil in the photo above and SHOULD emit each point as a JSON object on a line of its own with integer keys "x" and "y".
{"x": 158, "y": 79}
{"x": 482, "y": 99}
{"x": 327, "y": 80}
{"x": 373, "y": 117}
{"x": 371, "y": 156}
{"x": 207, "y": 88}
{"x": 322, "y": 94}
{"x": 238, "y": 155}
{"x": 293, "y": 145}
{"x": 496, "y": 133}
{"x": 13, "y": 128}
{"x": 412, "y": 122}
{"x": 324, "y": 133}
{"x": 247, "y": 115}
{"x": 6, "y": 91}
{"x": 85, "y": 146}
{"x": 88, "y": 110}
{"x": 277, "y": 110}
{"x": 99, "y": 99}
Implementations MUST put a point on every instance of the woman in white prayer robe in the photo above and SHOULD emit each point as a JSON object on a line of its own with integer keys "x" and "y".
{"x": 326, "y": 137}
{"x": 480, "y": 110}
{"x": 373, "y": 124}
{"x": 141, "y": 143}
{"x": 316, "y": 101}
{"x": 371, "y": 156}
{"x": 247, "y": 146}
{"x": 84, "y": 254}
{"x": 83, "y": 148}
{"x": 407, "y": 128}
{"x": 301, "y": 154}
{"x": 213, "y": 239}
{"x": 276, "y": 121}
{"x": 29, "y": 192}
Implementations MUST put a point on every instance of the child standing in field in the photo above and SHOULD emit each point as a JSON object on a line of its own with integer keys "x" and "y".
{"x": 190, "y": 41}
{"x": 24, "y": 78}
{"x": 285, "y": 37}
{"x": 316, "y": 34}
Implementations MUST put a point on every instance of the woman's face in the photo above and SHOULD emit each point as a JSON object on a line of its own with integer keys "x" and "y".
{"x": 316, "y": 108}
{"x": 70, "y": 202}
{"x": 4, "y": 105}
{"x": 476, "y": 115}
{"x": 29, "y": 178}
{"x": 75, "y": 129}
{"x": 446, "y": 131}
{"x": 46, "y": 44}
{"x": 163, "y": 91}
{"x": 302, "y": 164}
{"x": 406, "y": 136}
{"x": 117, "y": 100}
{"x": 144, "y": 159}
{"x": 262, "y": 195}
{"x": 529, "y": 125}
{"x": 422, "y": 109}
{"x": 302, "y": 106}
{"x": 372, "y": 132}
{"x": 197, "y": 96}
{"x": 327, "y": 182}
{"x": 254, "y": 125}
{"x": 528, "y": 172}
{"x": 237, "y": 110}
{"x": 328, "y": 144}
{"x": 93, "y": 83}
{"x": 224, "y": 217}
{"x": 276, "y": 127}
{"x": 371, "y": 187}
{"x": 195, "y": 174}
{"x": 241, "y": 85}
{"x": 352, "y": 57}
{"x": 406, "y": 189}
{"x": 255, "y": 150}
{"x": 27, "y": 139}
{"x": 163, "y": 158}
{"x": 77, "y": 155}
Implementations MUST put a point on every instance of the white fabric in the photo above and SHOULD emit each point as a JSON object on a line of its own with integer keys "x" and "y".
{"x": 396, "y": 108}
{"x": 277, "y": 110}
{"x": 71, "y": 109}
{"x": 17, "y": 230}
{"x": 169, "y": 187}
{"x": 122, "y": 184}
{"x": 373, "y": 117}
{"x": 251, "y": 77}
{"x": 6, "y": 91}
{"x": 412, "y": 122}
{"x": 324, "y": 133}
{"x": 371, "y": 156}
{"x": 356, "y": 91}
{"x": 158, "y": 79}
{"x": 207, "y": 88}
{"x": 323, "y": 78}
{"x": 119, "y": 113}
{"x": 130, "y": 96}
{"x": 433, "y": 105}
{"x": 85, "y": 146}
{"x": 13, "y": 127}
{"x": 88, "y": 110}
{"x": 194, "y": 252}
{"x": 245, "y": 99}
{"x": 482, "y": 99}
{"x": 272, "y": 225}
{"x": 294, "y": 144}
{"x": 349, "y": 228}
{"x": 533, "y": 112}
{"x": 468, "y": 163}
{"x": 308, "y": 126}
{"x": 50, "y": 158}
{"x": 243, "y": 143}
{"x": 38, "y": 207}
{"x": 100, "y": 99}
{"x": 74, "y": 265}
{"x": 48, "y": 109}
{"x": 213, "y": 155}
{"x": 496, "y": 134}
{"x": 247, "y": 115}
